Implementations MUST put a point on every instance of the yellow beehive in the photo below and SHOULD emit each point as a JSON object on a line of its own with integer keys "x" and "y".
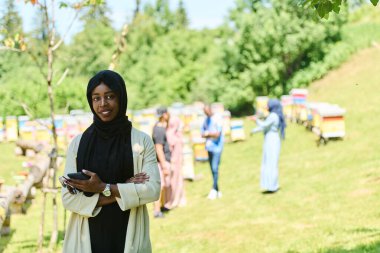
{"x": 27, "y": 128}
{"x": 286, "y": 102}
{"x": 227, "y": 123}
{"x": 1, "y": 130}
{"x": 188, "y": 160}
{"x": 333, "y": 127}
{"x": 237, "y": 130}
{"x": 11, "y": 128}
{"x": 262, "y": 106}
{"x": 302, "y": 110}
{"x": 331, "y": 123}
{"x": 199, "y": 147}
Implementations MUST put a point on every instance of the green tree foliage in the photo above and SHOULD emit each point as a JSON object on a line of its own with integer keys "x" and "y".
{"x": 91, "y": 48}
{"x": 181, "y": 15}
{"x": 273, "y": 40}
{"x": 324, "y": 7}
{"x": 11, "y": 22}
{"x": 265, "y": 47}
{"x": 10, "y": 28}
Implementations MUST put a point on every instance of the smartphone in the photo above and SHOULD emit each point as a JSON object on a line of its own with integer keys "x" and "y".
{"x": 78, "y": 175}
{"x": 63, "y": 180}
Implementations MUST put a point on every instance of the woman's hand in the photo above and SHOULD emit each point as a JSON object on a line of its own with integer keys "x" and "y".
{"x": 94, "y": 184}
{"x": 139, "y": 178}
{"x": 165, "y": 169}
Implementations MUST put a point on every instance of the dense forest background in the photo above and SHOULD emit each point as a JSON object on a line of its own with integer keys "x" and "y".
{"x": 265, "y": 47}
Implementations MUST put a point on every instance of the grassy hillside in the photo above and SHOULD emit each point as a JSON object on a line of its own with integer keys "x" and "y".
{"x": 329, "y": 197}
{"x": 328, "y": 200}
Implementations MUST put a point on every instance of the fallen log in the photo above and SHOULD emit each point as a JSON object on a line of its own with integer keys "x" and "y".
{"x": 24, "y": 147}
{"x": 6, "y": 198}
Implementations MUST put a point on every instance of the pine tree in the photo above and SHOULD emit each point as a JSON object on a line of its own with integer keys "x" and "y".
{"x": 181, "y": 14}
{"x": 11, "y": 22}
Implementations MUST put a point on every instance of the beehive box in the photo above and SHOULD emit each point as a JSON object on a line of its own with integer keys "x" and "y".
{"x": 199, "y": 147}
{"x": 261, "y": 106}
{"x": 331, "y": 123}
{"x": 2, "y": 132}
{"x": 188, "y": 160}
{"x": 227, "y": 123}
{"x": 27, "y": 128}
{"x": 299, "y": 111}
{"x": 287, "y": 102}
{"x": 11, "y": 128}
{"x": 237, "y": 130}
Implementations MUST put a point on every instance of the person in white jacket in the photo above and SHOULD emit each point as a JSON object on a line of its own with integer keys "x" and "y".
{"x": 109, "y": 211}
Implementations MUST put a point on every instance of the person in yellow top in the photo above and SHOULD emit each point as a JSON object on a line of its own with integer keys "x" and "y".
{"x": 109, "y": 211}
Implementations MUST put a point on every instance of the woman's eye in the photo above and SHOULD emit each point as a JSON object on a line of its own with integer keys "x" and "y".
{"x": 95, "y": 99}
{"x": 110, "y": 97}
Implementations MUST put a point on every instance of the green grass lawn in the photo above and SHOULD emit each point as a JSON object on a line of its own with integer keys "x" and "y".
{"x": 329, "y": 196}
{"x": 10, "y": 165}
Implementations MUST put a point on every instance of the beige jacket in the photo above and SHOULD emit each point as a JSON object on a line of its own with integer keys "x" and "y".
{"x": 133, "y": 196}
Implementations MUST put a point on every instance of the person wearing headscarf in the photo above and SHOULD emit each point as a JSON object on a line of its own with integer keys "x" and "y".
{"x": 273, "y": 127}
{"x": 109, "y": 211}
{"x": 175, "y": 139}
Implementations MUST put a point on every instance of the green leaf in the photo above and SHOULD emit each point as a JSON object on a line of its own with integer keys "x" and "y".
{"x": 63, "y": 5}
{"x": 328, "y": 7}
{"x": 321, "y": 10}
{"x": 374, "y": 2}
{"x": 336, "y": 8}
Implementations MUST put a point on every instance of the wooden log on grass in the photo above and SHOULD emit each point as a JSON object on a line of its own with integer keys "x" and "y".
{"x": 6, "y": 198}
{"x": 39, "y": 167}
{"x": 25, "y": 147}
{"x": 35, "y": 177}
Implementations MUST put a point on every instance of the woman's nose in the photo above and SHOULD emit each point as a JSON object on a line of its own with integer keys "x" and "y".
{"x": 103, "y": 101}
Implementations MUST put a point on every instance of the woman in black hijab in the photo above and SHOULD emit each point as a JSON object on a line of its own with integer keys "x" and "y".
{"x": 104, "y": 152}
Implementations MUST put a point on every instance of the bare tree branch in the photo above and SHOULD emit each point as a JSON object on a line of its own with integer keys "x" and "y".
{"x": 27, "y": 110}
{"x": 62, "y": 78}
{"x": 10, "y": 49}
{"x": 120, "y": 47}
{"x": 66, "y": 32}
{"x": 40, "y": 67}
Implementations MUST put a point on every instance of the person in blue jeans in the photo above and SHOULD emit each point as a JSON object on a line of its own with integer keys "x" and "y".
{"x": 212, "y": 130}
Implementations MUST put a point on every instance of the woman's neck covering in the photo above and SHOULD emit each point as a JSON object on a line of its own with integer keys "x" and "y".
{"x": 275, "y": 106}
{"x": 174, "y": 131}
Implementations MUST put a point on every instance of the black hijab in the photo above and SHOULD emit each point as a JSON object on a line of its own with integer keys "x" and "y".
{"x": 105, "y": 148}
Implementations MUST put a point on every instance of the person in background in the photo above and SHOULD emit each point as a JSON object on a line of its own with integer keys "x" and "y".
{"x": 212, "y": 130}
{"x": 163, "y": 156}
{"x": 175, "y": 140}
{"x": 273, "y": 126}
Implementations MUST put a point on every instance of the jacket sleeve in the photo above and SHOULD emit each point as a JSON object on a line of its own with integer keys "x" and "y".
{"x": 77, "y": 203}
{"x": 134, "y": 195}
{"x": 264, "y": 125}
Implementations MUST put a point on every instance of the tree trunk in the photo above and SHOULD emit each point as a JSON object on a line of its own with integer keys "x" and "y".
{"x": 45, "y": 183}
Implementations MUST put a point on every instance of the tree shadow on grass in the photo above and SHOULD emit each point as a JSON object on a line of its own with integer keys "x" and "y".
{"x": 365, "y": 248}
{"x": 4, "y": 240}
{"x": 369, "y": 233}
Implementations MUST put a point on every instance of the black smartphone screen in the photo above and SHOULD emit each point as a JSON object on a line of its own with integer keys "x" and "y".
{"x": 78, "y": 175}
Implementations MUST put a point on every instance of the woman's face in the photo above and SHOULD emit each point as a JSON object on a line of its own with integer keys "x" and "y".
{"x": 105, "y": 102}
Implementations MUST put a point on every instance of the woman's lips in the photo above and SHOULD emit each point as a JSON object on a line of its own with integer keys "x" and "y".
{"x": 105, "y": 113}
